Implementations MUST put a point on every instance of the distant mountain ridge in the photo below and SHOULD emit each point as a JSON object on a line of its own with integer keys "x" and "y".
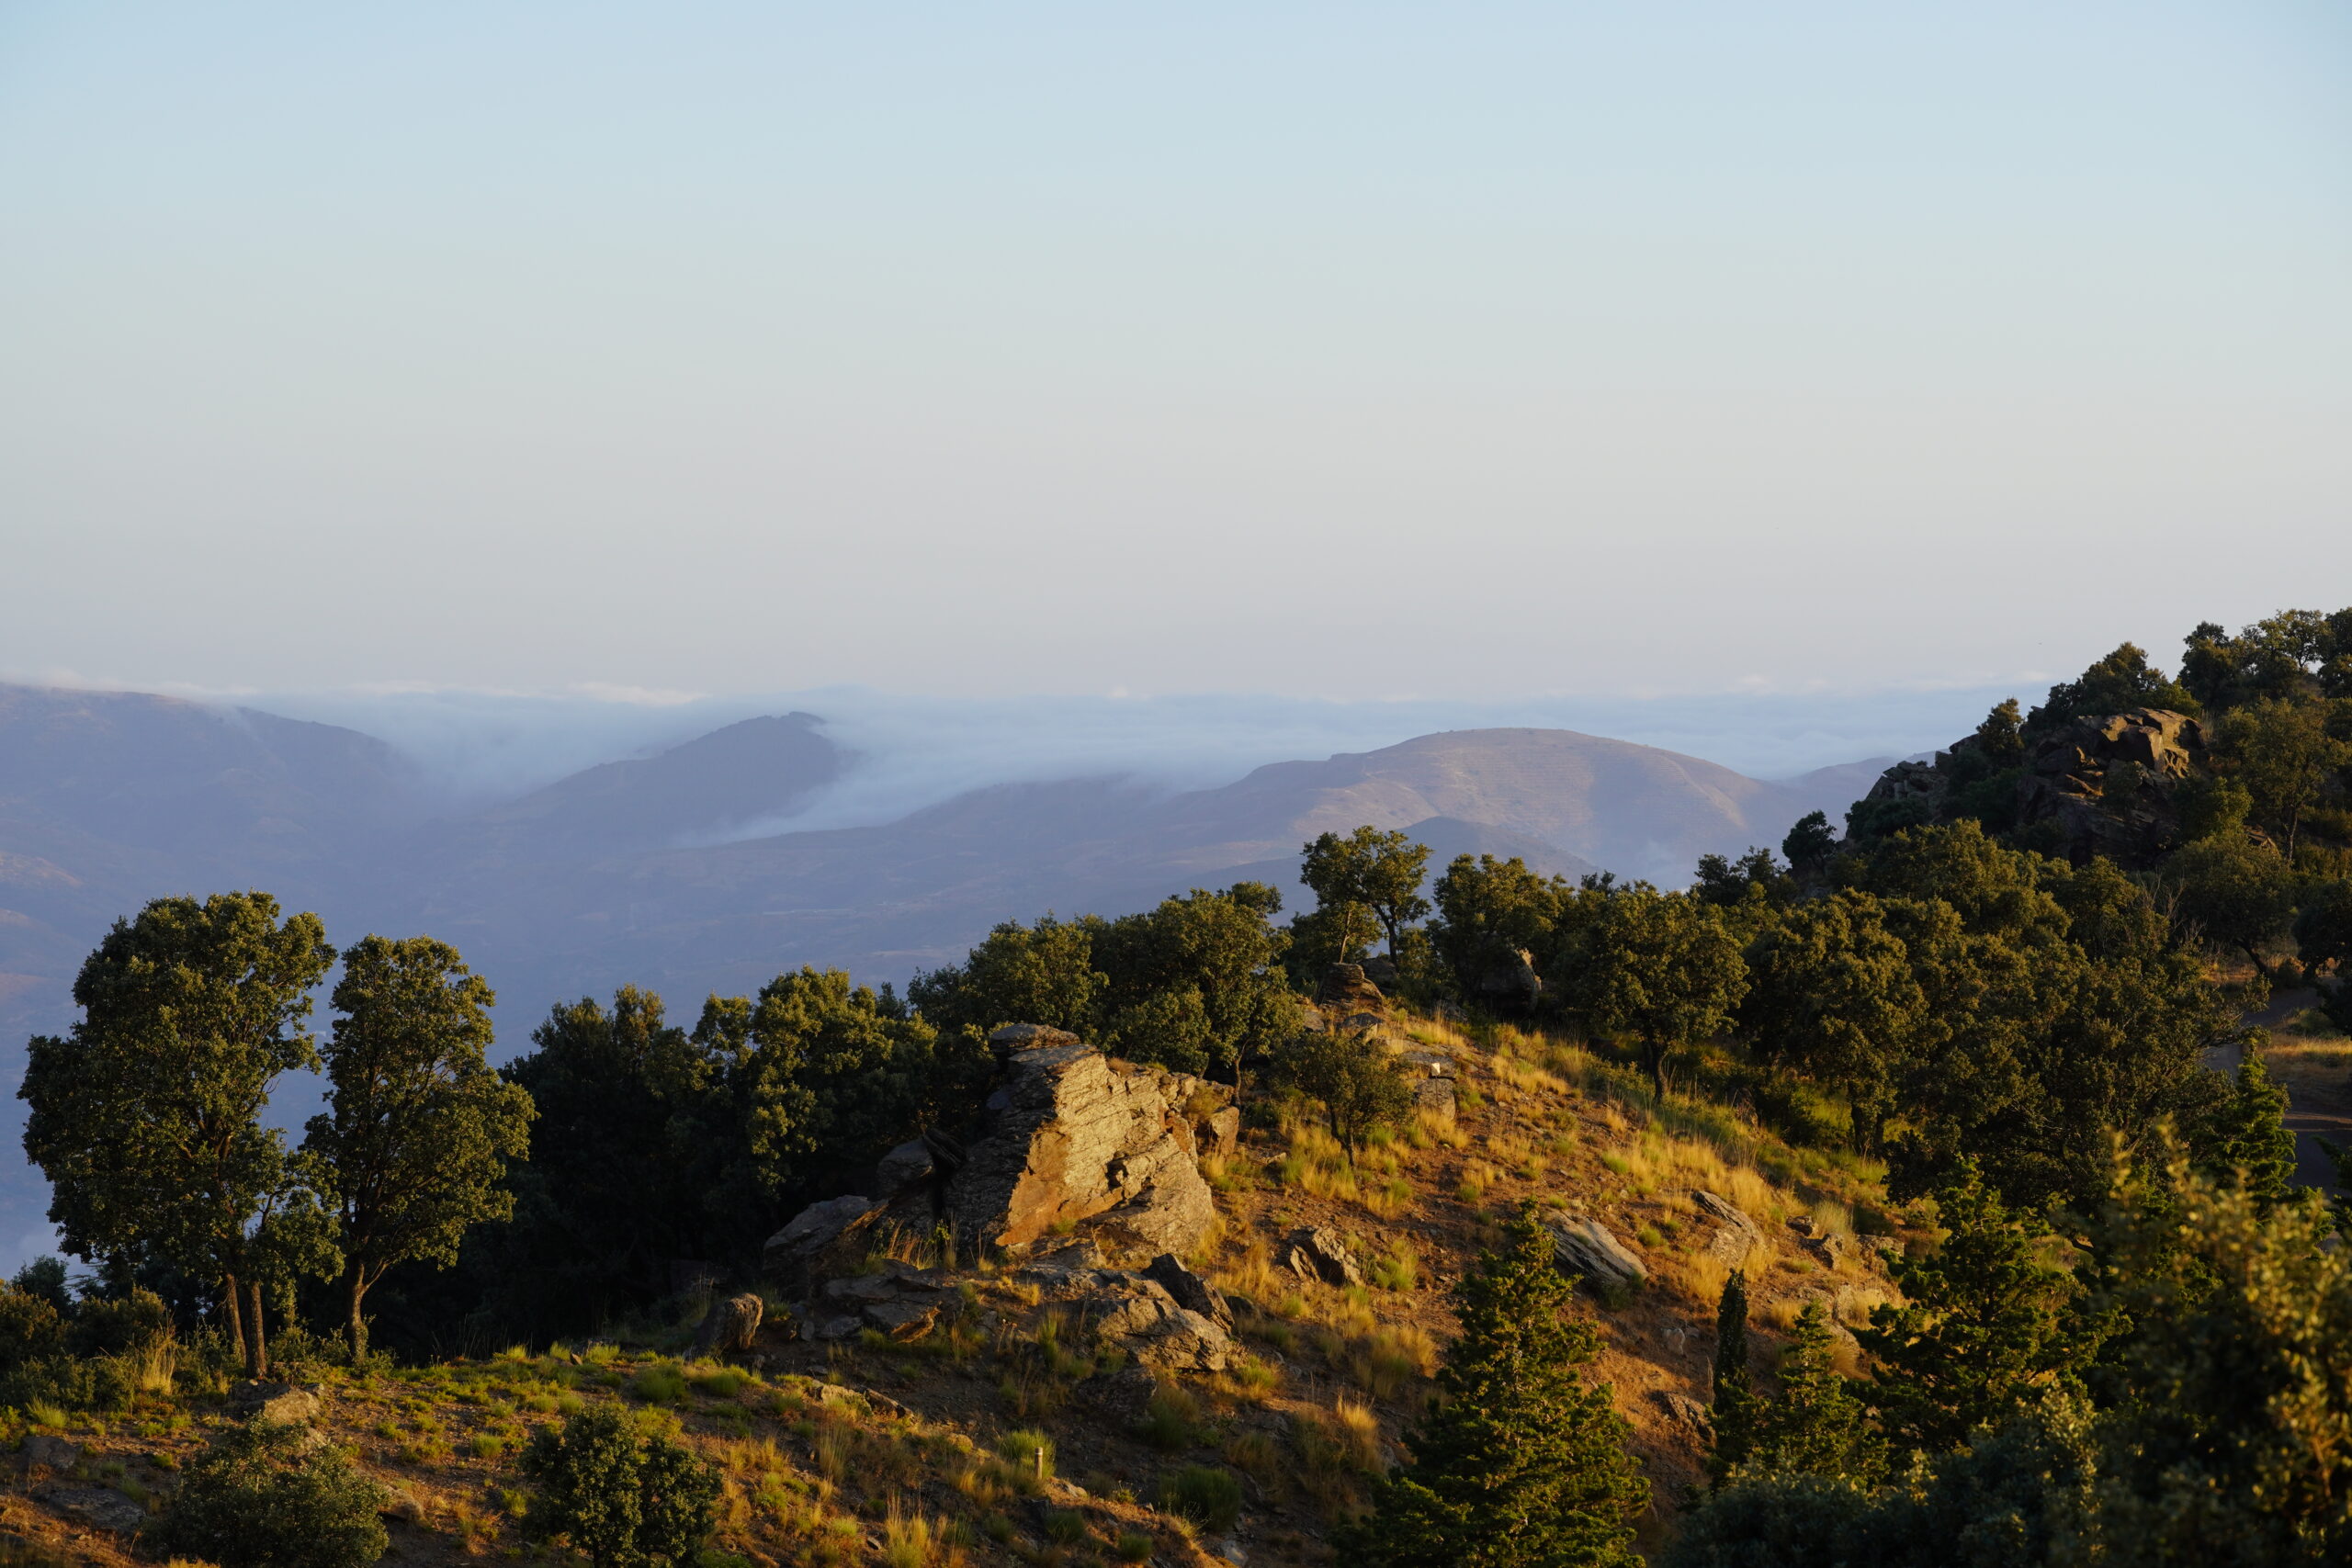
{"x": 629, "y": 872}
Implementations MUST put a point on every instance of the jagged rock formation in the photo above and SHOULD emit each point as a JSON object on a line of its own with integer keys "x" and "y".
{"x": 1074, "y": 1137}
{"x": 2095, "y": 785}
{"x": 1586, "y": 1250}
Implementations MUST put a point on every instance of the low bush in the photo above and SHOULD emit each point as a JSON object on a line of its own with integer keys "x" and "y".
{"x": 268, "y": 1496}
{"x": 619, "y": 1491}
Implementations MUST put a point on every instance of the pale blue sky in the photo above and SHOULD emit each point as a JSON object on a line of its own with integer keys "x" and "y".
{"x": 1461, "y": 351}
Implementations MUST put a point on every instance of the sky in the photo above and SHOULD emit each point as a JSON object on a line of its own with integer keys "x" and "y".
{"x": 1471, "y": 353}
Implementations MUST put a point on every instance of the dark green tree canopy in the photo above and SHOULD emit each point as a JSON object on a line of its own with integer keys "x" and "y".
{"x": 147, "y": 1117}
{"x": 413, "y": 1146}
{"x": 1522, "y": 1463}
{"x": 1378, "y": 872}
{"x": 2122, "y": 681}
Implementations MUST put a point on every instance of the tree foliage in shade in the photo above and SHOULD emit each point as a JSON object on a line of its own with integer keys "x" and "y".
{"x": 146, "y": 1118}
{"x": 1831, "y": 992}
{"x": 1813, "y": 1423}
{"x": 1735, "y": 1395}
{"x": 2122, "y": 681}
{"x": 413, "y": 1144}
{"x": 1985, "y": 1329}
{"x": 1522, "y": 1463}
{"x": 1660, "y": 969}
{"x": 1489, "y": 912}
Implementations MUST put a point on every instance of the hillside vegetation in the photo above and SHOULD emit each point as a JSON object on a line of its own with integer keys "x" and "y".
{"x": 1926, "y": 1186}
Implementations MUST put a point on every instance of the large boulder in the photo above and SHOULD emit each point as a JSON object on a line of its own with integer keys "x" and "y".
{"x": 731, "y": 1325}
{"x": 1075, "y": 1137}
{"x": 1345, "y": 991}
{"x": 1155, "y": 1326}
{"x": 817, "y": 1241}
{"x": 1584, "y": 1247}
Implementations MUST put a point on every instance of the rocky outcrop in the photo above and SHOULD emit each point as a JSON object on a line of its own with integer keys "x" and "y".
{"x": 1584, "y": 1248}
{"x": 1313, "y": 1253}
{"x": 730, "y": 1326}
{"x": 818, "y": 1241}
{"x": 2104, "y": 784}
{"x": 1345, "y": 991}
{"x": 896, "y": 1299}
{"x": 1074, "y": 1137}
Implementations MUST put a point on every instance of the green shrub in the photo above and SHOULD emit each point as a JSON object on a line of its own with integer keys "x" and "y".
{"x": 1066, "y": 1527}
{"x": 1168, "y": 1420}
{"x": 1133, "y": 1546}
{"x": 112, "y": 1327}
{"x": 268, "y": 1496}
{"x": 621, "y": 1495}
{"x": 1023, "y": 1447}
{"x": 724, "y": 1383}
{"x": 1207, "y": 1494}
{"x": 661, "y": 1383}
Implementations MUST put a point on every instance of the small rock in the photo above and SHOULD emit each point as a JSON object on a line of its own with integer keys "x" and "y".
{"x": 1887, "y": 1246}
{"x": 1084, "y": 1252}
{"x": 100, "y": 1506}
{"x": 732, "y": 1324}
{"x": 837, "y": 1329}
{"x": 1346, "y": 990}
{"x": 1683, "y": 1410}
{"x": 1735, "y": 1237}
{"x": 1313, "y": 1253}
{"x": 861, "y": 1288}
{"x": 1218, "y": 1132}
{"x": 1185, "y": 1341}
{"x": 1190, "y": 1290}
{"x": 1434, "y": 1094}
{"x": 902, "y": 1319}
{"x": 281, "y": 1403}
{"x": 1585, "y": 1247}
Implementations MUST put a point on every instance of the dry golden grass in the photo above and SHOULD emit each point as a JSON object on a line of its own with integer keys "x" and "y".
{"x": 1251, "y": 1272}
{"x": 1834, "y": 1217}
{"x": 1357, "y": 1430}
{"x": 1702, "y": 1278}
{"x": 1441, "y": 1128}
{"x": 1518, "y": 1072}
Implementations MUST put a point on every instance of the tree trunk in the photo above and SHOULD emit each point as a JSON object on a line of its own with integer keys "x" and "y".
{"x": 232, "y": 1312}
{"x": 256, "y": 1340}
{"x": 1653, "y": 1058}
{"x": 356, "y": 1330}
